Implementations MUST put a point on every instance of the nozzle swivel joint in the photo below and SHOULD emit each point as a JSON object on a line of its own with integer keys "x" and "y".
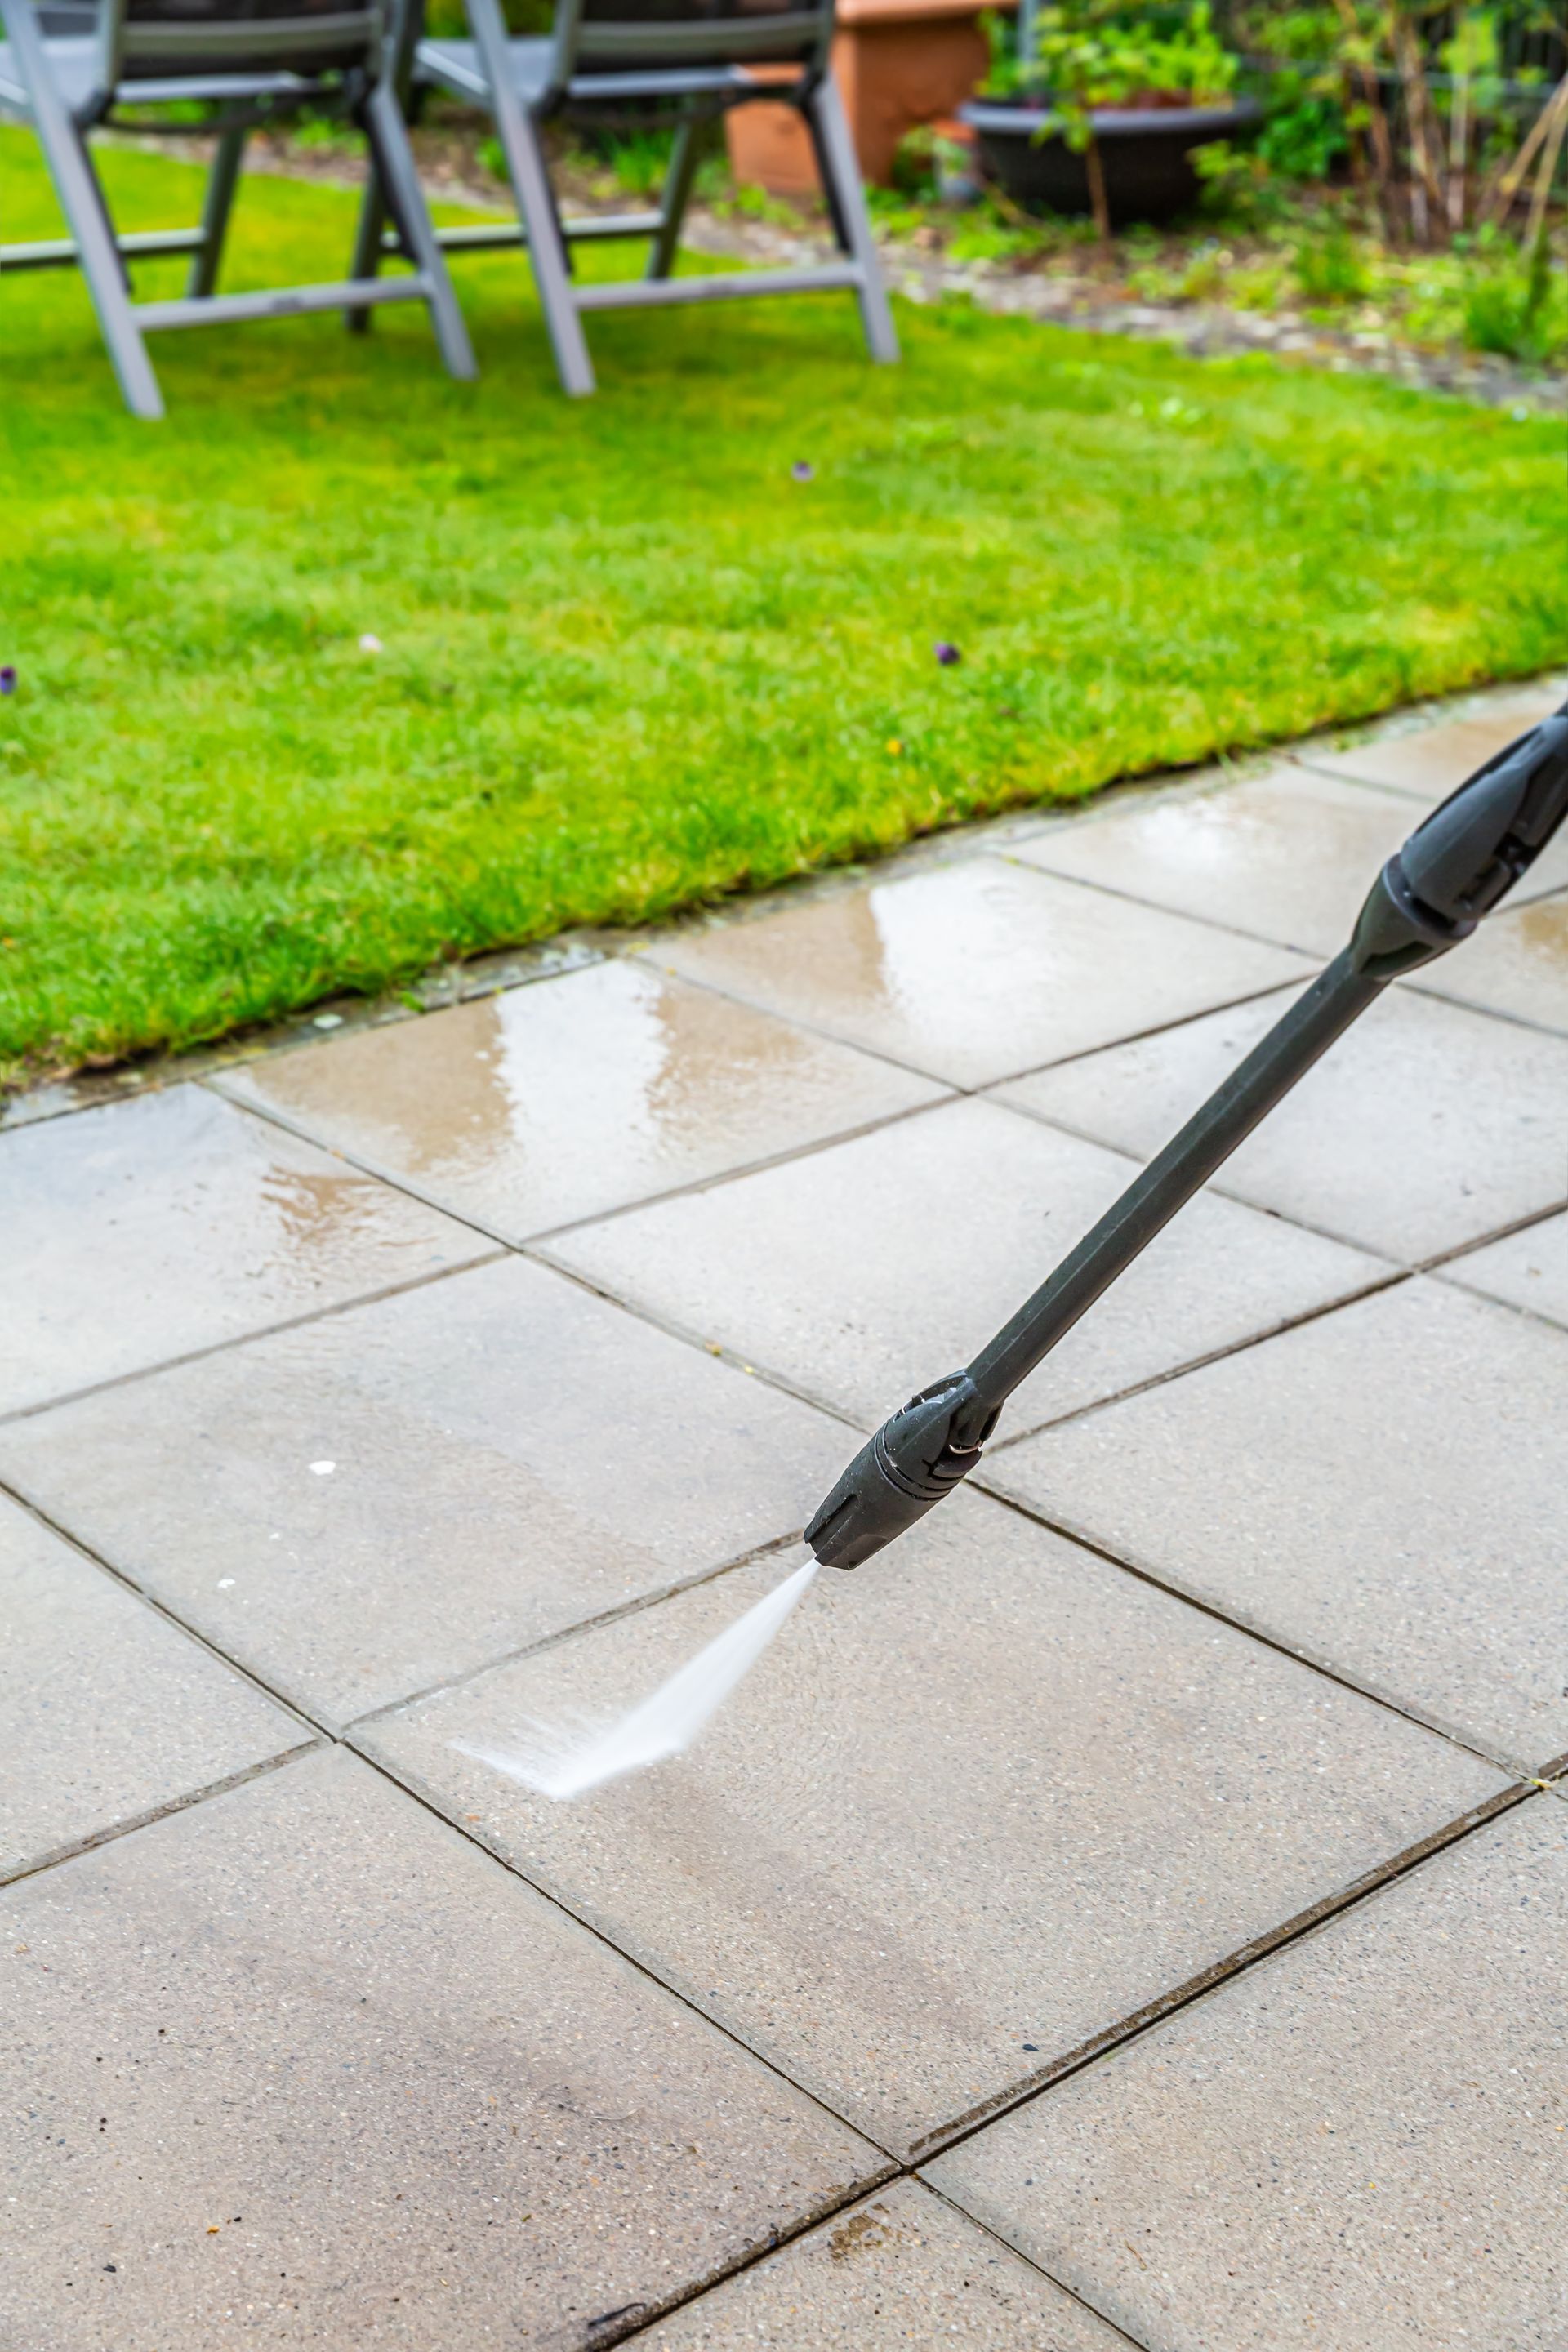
{"x": 912, "y": 1461}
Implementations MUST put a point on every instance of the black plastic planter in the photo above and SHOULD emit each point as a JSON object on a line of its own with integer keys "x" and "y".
{"x": 1146, "y": 153}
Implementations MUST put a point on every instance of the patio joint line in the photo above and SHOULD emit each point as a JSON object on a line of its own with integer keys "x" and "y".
{"x": 1239, "y": 1963}
{"x": 410, "y": 1788}
{"x": 944, "y": 2197}
{"x": 128, "y": 1583}
{"x": 245, "y": 1339}
{"x": 1514, "y": 1767}
{"x": 1492, "y": 1012}
{"x": 76, "y": 1847}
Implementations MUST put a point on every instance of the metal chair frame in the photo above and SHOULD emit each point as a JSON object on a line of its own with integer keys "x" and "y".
{"x": 246, "y": 71}
{"x": 694, "y": 68}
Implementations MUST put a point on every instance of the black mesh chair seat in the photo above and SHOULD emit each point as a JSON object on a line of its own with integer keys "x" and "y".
{"x": 457, "y": 68}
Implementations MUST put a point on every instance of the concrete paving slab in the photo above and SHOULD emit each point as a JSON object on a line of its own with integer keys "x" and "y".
{"x": 1527, "y": 1269}
{"x": 575, "y": 1095}
{"x": 979, "y": 970}
{"x": 1359, "y": 2143}
{"x": 372, "y": 1502}
{"x": 141, "y": 1231}
{"x": 1429, "y": 762}
{"x": 1426, "y": 1126}
{"x": 301, "y": 2064}
{"x": 1381, "y": 1489}
{"x": 865, "y": 1271}
{"x": 901, "y": 2269}
{"x": 108, "y": 1712}
{"x": 1517, "y": 964}
{"x": 1286, "y": 856}
{"x": 979, "y": 1802}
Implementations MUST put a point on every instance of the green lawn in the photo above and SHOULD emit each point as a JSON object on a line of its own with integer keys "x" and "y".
{"x": 629, "y": 663}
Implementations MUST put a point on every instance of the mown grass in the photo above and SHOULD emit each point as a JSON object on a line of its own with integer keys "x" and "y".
{"x": 629, "y": 663}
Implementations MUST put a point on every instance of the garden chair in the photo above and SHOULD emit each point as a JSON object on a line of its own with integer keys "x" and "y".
{"x": 686, "y": 60}
{"x": 244, "y": 62}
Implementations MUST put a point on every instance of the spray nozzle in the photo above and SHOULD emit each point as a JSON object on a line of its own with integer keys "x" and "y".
{"x": 914, "y": 1459}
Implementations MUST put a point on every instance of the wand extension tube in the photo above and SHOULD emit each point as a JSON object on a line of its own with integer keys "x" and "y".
{"x": 1455, "y": 868}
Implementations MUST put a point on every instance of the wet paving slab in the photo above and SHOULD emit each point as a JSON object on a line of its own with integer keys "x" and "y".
{"x": 108, "y": 1712}
{"x": 141, "y": 1231}
{"x": 303, "y": 2064}
{"x": 1381, "y": 1489}
{"x": 1358, "y": 2143}
{"x": 558, "y": 1101}
{"x": 864, "y": 1272}
{"x": 977, "y": 971}
{"x": 986, "y": 1800}
{"x": 1427, "y": 1126}
{"x": 371, "y": 1504}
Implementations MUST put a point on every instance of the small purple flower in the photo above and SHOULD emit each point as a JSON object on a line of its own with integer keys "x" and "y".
{"x": 802, "y": 471}
{"x": 947, "y": 655}
{"x": 7, "y": 678}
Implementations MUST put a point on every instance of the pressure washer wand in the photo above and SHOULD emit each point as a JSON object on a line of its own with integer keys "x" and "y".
{"x": 1458, "y": 865}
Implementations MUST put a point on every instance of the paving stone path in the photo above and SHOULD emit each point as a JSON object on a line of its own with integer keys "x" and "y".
{"x": 1127, "y": 1913}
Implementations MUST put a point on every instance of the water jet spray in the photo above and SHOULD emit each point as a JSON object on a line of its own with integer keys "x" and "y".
{"x": 1457, "y": 866}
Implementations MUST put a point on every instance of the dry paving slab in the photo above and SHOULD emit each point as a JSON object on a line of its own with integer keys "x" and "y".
{"x": 370, "y": 1504}
{"x": 575, "y": 1095}
{"x": 1428, "y": 1126}
{"x": 1360, "y": 2146}
{"x": 1528, "y": 1269}
{"x": 108, "y": 1712}
{"x": 302, "y": 2065}
{"x": 1382, "y": 1489}
{"x": 986, "y": 1799}
{"x": 901, "y": 2270}
{"x": 861, "y": 1272}
{"x": 145, "y": 1229}
{"x": 979, "y": 970}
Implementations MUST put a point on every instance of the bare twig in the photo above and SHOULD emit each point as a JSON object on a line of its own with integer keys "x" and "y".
{"x": 1494, "y": 206}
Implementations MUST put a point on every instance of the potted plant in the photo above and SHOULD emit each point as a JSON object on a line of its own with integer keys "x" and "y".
{"x": 1097, "y": 106}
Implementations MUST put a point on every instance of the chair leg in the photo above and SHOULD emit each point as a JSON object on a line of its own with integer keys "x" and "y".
{"x": 392, "y": 167}
{"x": 367, "y": 255}
{"x": 525, "y": 153}
{"x": 840, "y": 171}
{"x": 676, "y": 195}
{"x": 222, "y": 183}
{"x": 87, "y": 216}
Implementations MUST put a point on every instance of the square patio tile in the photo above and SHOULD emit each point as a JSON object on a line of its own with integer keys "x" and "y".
{"x": 1527, "y": 1269}
{"x": 978, "y": 1803}
{"x": 1357, "y": 2145}
{"x": 1516, "y": 964}
{"x": 1429, "y": 762}
{"x": 1426, "y": 1126}
{"x": 901, "y": 2268}
{"x": 1382, "y": 1489}
{"x": 302, "y": 2064}
{"x": 865, "y": 1271}
{"x": 1286, "y": 856}
{"x": 107, "y": 1711}
{"x": 979, "y": 970}
{"x": 372, "y": 1502}
{"x": 573, "y": 1095}
{"x": 143, "y": 1230}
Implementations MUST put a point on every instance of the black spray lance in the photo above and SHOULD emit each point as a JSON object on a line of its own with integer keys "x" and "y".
{"x": 1453, "y": 870}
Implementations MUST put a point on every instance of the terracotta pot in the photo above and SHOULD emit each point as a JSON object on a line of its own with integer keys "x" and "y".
{"x": 897, "y": 64}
